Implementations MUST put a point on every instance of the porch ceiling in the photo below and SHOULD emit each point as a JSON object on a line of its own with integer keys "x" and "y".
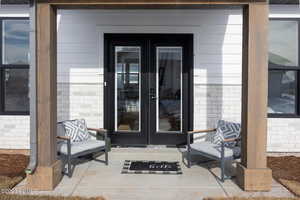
{"x": 270, "y": 2}
{"x": 284, "y": 1}
{"x": 149, "y": 2}
{"x": 14, "y": 2}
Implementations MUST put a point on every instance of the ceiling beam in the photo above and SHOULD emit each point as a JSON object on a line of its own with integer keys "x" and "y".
{"x": 150, "y": 3}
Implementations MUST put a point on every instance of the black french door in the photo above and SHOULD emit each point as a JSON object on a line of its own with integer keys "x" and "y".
{"x": 148, "y": 88}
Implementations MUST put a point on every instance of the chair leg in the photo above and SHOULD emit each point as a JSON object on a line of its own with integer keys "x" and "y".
{"x": 69, "y": 158}
{"x": 189, "y": 158}
{"x": 69, "y": 167}
{"x": 106, "y": 157}
{"x": 227, "y": 168}
{"x": 222, "y": 170}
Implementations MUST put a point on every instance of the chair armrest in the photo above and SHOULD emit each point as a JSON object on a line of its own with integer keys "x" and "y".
{"x": 201, "y": 131}
{"x": 223, "y": 143}
{"x": 190, "y": 133}
{"x": 97, "y": 129}
{"x": 68, "y": 139}
{"x": 63, "y": 137}
{"x": 100, "y": 131}
{"x": 231, "y": 139}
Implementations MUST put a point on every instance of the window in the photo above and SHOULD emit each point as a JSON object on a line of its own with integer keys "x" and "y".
{"x": 284, "y": 68}
{"x": 14, "y": 66}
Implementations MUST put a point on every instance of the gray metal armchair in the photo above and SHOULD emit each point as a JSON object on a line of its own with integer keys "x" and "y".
{"x": 74, "y": 150}
{"x": 210, "y": 150}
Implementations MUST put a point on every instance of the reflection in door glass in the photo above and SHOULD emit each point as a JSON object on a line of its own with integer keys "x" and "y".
{"x": 169, "y": 81}
{"x": 127, "y": 83}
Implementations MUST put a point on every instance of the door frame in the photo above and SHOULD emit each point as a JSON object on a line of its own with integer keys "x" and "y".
{"x": 109, "y": 79}
{"x": 186, "y": 41}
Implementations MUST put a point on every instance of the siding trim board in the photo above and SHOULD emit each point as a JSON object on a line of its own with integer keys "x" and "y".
{"x": 81, "y": 3}
{"x": 146, "y": 4}
{"x": 14, "y": 1}
{"x": 287, "y": 2}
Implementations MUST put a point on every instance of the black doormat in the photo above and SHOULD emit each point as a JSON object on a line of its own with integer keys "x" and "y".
{"x": 151, "y": 167}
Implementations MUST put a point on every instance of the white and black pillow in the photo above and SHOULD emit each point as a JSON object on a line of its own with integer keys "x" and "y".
{"x": 76, "y": 130}
{"x": 227, "y": 130}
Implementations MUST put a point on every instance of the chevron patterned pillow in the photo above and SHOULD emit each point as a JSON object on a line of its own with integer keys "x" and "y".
{"x": 227, "y": 130}
{"x": 76, "y": 130}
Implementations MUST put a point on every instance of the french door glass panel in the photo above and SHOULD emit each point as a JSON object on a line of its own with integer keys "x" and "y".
{"x": 169, "y": 89}
{"x": 127, "y": 87}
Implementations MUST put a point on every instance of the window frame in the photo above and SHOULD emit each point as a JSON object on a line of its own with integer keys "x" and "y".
{"x": 296, "y": 69}
{"x": 3, "y": 67}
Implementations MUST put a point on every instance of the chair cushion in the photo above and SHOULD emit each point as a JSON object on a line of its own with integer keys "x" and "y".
{"x": 80, "y": 147}
{"x": 76, "y": 130}
{"x": 226, "y": 130}
{"x": 212, "y": 149}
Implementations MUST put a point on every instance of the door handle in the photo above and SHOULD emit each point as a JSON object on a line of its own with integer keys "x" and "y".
{"x": 153, "y": 97}
{"x": 152, "y": 94}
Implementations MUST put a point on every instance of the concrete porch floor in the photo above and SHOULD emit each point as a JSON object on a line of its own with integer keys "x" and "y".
{"x": 93, "y": 178}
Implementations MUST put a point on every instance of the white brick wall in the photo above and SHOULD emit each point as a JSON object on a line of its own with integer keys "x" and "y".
{"x": 284, "y": 135}
{"x": 214, "y": 102}
{"x": 14, "y": 132}
{"x": 80, "y": 101}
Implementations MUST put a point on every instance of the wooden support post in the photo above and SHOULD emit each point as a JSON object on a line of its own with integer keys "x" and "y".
{"x": 48, "y": 172}
{"x": 253, "y": 174}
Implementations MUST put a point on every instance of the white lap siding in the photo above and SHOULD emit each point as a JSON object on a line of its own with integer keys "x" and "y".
{"x": 217, "y": 60}
{"x": 14, "y": 130}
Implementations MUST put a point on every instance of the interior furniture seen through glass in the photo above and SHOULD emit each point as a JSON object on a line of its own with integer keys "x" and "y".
{"x": 127, "y": 83}
{"x": 169, "y": 83}
{"x": 282, "y": 91}
{"x": 16, "y": 90}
